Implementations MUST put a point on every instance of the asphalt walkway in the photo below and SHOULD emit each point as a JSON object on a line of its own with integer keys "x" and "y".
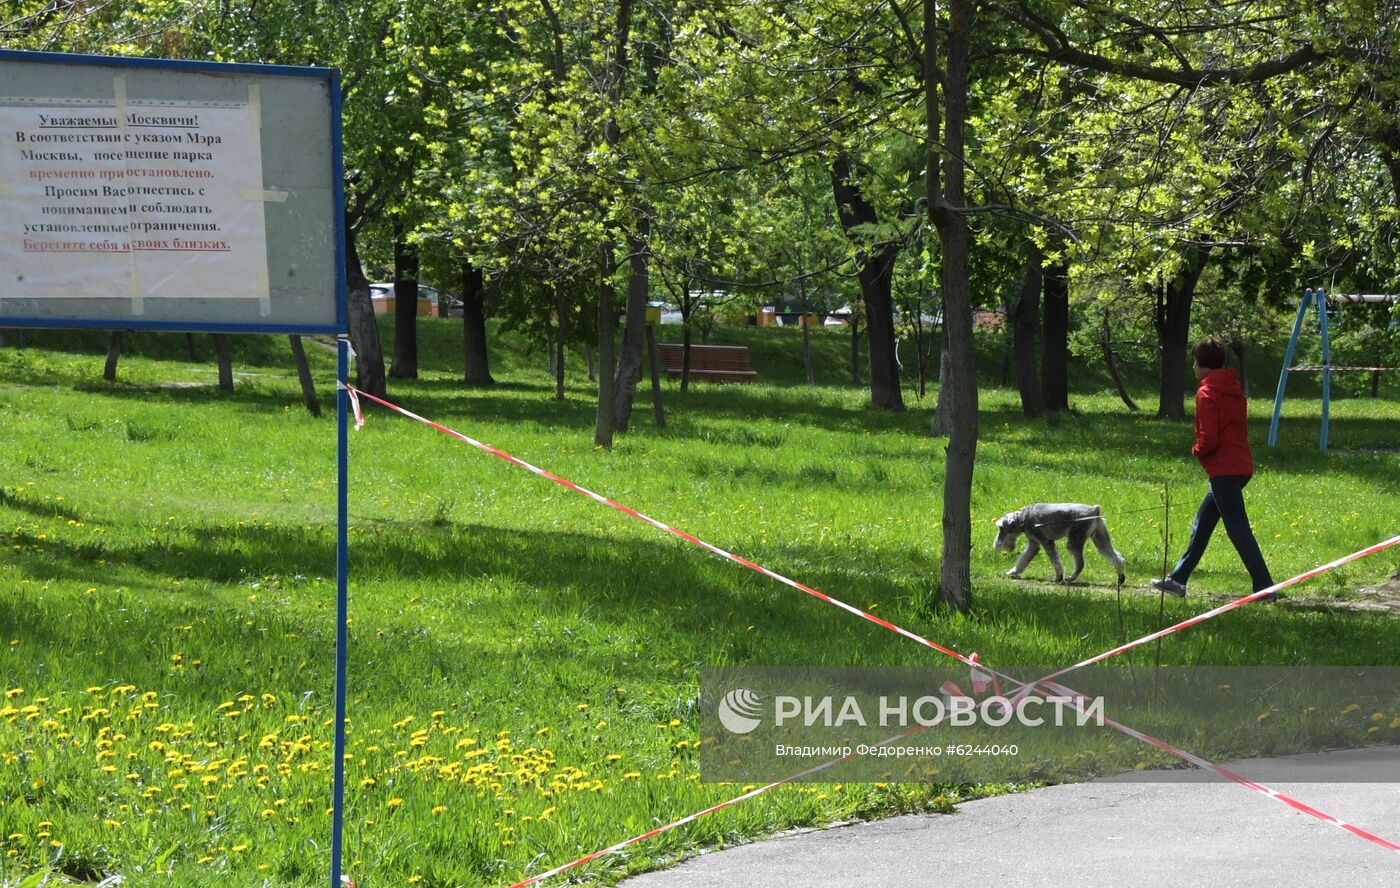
{"x": 1145, "y": 830}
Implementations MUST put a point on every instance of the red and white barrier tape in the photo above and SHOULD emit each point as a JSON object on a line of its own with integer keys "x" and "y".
{"x": 970, "y": 660}
{"x": 564, "y": 482}
{"x": 1201, "y": 618}
{"x": 690, "y": 818}
{"x": 1225, "y": 772}
{"x": 1163, "y": 745}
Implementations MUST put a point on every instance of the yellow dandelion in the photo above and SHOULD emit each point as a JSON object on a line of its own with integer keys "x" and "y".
{"x": 394, "y": 802}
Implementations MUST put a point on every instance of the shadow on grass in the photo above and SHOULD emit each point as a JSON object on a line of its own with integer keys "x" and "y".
{"x": 197, "y": 395}
{"x": 619, "y": 607}
{"x": 692, "y": 416}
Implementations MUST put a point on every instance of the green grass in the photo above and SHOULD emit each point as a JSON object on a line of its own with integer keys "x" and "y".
{"x": 524, "y": 662}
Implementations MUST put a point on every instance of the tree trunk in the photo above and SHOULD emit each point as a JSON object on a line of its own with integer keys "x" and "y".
{"x": 559, "y": 342}
{"x": 1025, "y": 318}
{"x": 875, "y": 270}
{"x": 629, "y": 364}
{"x": 1054, "y": 370}
{"x": 607, "y": 325}
{"x": 308, "y": 387}
{"x": 1110, "y": 359}
{"x": 189, "y": 347}
{"x": 405, "y": 362}
{"x": 1237, "y": 346}
{"x": 114, "y": 351}
{"x": 855, "y": 350}
{"x": 549, "y": 340}
{"x": 657, "y": 408}
{"x": 224, "y": 360}
{"x": 478, "y": 361}
{"x": 588, "y": 359}
{"x": 685, "y": 358}
{"x": 919, "y": 361}
{"x": 364, "y": 329}
{"x": 1173, "y": 321}
{"x": 613, "y": 82}
{"x": 944, "y": 208}
{"x": 807, "y": 351}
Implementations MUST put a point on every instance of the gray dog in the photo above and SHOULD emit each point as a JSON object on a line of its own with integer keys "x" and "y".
{"x": 1043, "y": 523}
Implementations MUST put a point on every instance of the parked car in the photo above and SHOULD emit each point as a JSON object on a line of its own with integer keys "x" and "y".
{"x": 432, "y": 302}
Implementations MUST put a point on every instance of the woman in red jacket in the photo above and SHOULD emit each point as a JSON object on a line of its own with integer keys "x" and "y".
{"x": 1222, "y": 447}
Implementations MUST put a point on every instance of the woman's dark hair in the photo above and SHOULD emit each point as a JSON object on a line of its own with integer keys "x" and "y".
{"x": 1210, "y": 352}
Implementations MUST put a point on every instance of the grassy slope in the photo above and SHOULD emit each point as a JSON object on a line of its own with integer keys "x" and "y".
{"x": 173, "y": 554}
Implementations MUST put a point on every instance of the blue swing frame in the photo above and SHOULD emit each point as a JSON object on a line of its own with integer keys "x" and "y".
{"x": 1312, "y": 298}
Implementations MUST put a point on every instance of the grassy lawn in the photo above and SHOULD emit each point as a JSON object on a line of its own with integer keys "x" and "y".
{"x": 524, "y": 662}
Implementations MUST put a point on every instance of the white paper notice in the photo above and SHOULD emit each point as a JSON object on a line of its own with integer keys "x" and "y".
{"x": 152, "y": 202}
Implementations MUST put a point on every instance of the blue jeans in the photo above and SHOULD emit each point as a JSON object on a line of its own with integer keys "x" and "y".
{"x": 1224, "y": 501}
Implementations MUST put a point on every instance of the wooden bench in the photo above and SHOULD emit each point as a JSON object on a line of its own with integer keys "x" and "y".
{"x": 712, "y": 363}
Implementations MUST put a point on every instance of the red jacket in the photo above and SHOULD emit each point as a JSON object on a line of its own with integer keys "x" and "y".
{"x": 1222, "y": 445}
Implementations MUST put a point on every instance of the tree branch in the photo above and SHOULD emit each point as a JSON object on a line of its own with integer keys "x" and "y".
{"x": 1058, "y": 48}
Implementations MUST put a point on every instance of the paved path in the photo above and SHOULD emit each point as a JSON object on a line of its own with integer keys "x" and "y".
{"x": 1121, "y": 832}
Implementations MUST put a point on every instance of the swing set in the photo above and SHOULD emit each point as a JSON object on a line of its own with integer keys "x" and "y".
{"x": 1321, "y": 298}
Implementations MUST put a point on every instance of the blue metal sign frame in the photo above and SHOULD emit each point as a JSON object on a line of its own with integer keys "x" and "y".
{"x": 340, "y": 328}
